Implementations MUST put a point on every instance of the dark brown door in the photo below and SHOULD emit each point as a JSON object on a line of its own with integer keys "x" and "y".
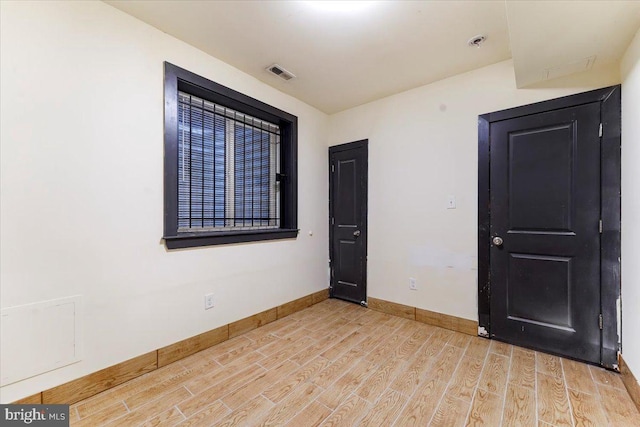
{"x": 348, "y": 221}
{"x": 545, "y": 217}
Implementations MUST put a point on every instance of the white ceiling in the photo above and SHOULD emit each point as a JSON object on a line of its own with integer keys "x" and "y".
{"x": 369, "y": 50}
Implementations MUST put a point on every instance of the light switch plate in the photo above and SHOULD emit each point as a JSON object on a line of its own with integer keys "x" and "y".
{"x": 451, "y": 202}
{"x": 208, "y": 301}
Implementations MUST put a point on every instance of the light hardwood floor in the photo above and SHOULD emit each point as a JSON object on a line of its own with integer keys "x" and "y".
{"x": 336, "y": 363}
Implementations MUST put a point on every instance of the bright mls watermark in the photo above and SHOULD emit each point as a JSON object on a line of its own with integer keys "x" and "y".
{"x": 34, "y": 415}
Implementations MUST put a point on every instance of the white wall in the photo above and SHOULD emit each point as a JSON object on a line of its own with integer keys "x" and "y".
{"x": 422, "y": 148}
{"x": 630, "y": 70}
{"x": 82, "y": 196}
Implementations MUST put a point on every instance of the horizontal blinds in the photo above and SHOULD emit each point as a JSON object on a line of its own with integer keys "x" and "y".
{"x": 227, "y": 166}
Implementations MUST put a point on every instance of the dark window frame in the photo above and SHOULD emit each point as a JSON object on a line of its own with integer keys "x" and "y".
{"x": 178, "y": 79}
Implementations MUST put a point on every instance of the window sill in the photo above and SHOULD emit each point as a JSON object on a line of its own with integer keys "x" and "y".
{"x": 192, "y": 240}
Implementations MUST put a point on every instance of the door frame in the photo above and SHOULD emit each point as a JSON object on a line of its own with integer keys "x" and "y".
{"x": 610, "y": 190}
{"x": 364, "y": 214}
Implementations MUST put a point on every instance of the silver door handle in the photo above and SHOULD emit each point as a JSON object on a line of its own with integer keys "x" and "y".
{"x": 356, "y": 233}
{"x": 498, "y": 241}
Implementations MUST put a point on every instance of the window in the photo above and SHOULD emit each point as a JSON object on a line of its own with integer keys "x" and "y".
{"x": 227, "y": 168}
{"x": 230, "y": 165}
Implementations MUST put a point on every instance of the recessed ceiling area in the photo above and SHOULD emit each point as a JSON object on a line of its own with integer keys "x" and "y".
{"x": 553, "y": 39}
{"x": 345, "y": 54}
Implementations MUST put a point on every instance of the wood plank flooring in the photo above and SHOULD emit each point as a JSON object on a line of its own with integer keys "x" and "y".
{"x": 338, "y": 364}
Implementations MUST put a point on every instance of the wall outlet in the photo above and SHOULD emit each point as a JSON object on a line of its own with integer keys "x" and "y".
{"x": 208, "y": 301}
{"x": 412, "y": 284}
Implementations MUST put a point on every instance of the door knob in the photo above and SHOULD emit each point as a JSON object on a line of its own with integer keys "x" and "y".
{"x": 356, "y": 233}
{"x": 498, "y": 241}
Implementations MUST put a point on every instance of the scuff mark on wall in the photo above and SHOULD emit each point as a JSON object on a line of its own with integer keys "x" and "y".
{"x": 435, "y": 257}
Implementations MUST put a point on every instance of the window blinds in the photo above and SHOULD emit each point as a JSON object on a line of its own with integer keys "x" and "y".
{"x": 227, "y": 168}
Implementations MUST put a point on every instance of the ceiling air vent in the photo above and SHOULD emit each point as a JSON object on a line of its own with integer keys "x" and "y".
{"x": 280, "y": 72}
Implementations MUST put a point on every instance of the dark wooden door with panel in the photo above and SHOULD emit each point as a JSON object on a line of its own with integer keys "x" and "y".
{"x": 348, "y": 221}
{"x": 549, "y": 282}
{"x": 545, "y": 255}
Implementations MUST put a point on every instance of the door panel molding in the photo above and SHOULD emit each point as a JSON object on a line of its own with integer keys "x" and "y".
{"x": 610, "y": 185}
